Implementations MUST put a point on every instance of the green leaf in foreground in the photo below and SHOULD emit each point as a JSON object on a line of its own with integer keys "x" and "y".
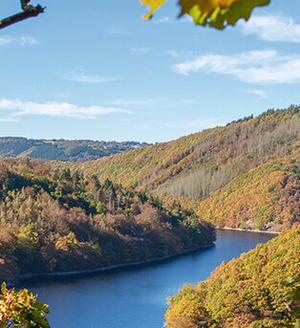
{"x": 220, "y": 18}
{"x": 20, "y": 309}
{"x": 214, "y": 13}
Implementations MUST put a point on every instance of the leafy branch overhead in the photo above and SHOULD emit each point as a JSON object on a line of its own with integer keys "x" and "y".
{"x": 28, "y": 11}
{"x": 214, "y": 13}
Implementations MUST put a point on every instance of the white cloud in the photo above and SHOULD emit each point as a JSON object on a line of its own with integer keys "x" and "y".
{"x": 259, "y": 93}
{"x": 24, "y": 40}
{"x": 6, "y": 40}
{"x": 272, "y": 28}
{"x": 186, "y": 18}
{"x": 84, "y": 77}
{"x": 9, "y": 119}
{"x": 21, "y": 41}
{"x": 266, "y": 67}
{"x": 172, "y": 53}
{"x": 18, "y": 108}
{"x": 163, "y": 20}
{"x": 154, "y": 103}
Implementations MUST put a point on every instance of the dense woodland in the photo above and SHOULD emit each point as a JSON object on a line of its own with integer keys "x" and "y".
{"x": 265, "y": 198}
{"x": 67, "y": 150}
{"x": 253, "y": 159}
{"x": 247, "y": 292}
{"x": 160, "y": 200}
{"x": 243, "y": 175}
{"x": 57, "y": 221}
{"x": 79, "y": 216}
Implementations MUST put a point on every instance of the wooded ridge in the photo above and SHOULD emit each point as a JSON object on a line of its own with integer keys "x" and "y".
{"x": 67, "y": 150}
{"x": 56, "y": 221}
{"x": 242, "y": 175}
{"x": 247, "y": 292}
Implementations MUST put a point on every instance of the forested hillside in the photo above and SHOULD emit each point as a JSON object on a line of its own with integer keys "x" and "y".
{"x": 67, "y": 150}
{"x": 247, "y": 292}
{"x": 67, "y": 215}
{"x": 212, "y": 157}
{"x": 60, "y": 221}
{"x": 254, "y": 161}
{"x": 264, "y": 198}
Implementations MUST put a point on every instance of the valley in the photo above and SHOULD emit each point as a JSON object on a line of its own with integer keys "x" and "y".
{"x": 165, "y": 199}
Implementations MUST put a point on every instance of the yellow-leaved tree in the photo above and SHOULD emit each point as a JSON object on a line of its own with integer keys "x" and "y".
{"x": 213, "y": 13}
{"x": 20, "y": 309}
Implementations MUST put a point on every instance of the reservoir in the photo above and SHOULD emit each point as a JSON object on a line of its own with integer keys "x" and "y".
{"x": 134, "y": 297}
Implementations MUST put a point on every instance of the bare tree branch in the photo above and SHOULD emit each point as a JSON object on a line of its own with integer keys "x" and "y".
{"x": 28, "y": 11}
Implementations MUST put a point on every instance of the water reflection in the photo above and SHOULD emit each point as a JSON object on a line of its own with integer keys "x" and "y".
{"x": 134, "y": 297}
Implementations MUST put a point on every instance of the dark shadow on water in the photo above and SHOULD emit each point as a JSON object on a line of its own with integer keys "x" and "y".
{"x": 133, "y": 296}
{"x": 50, "y": 280}
{"x": 225, "y": 247}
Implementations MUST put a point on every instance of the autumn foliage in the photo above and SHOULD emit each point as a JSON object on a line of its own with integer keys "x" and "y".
{"x": 20, "y": 309}
{"x": 243, "y": 175}
{"x": 247, "y": 292}
{"x": 214, "y": 13}
{"x": 54, "y": 221}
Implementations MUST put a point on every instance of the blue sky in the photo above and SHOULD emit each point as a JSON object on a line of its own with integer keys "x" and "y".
{"x": 97, "y": 70}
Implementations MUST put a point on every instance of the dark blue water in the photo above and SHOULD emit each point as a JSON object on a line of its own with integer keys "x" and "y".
{"x": 135, "y": 297}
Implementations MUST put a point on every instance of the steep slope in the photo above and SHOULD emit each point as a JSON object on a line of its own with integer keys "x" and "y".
{"x": 264, "y": 198}
{"x": 243, "y": 145}
{"x": 58, "y": 221}
{"x": 220, "y": 172}
{"x": 245, "y": 293}
{"x": 210, "y": 158}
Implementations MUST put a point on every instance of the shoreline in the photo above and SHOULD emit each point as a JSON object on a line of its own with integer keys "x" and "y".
{"x": 86, "y": 272}
{"x": 247, "y": 230}
{"x": 18, "y": 279}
